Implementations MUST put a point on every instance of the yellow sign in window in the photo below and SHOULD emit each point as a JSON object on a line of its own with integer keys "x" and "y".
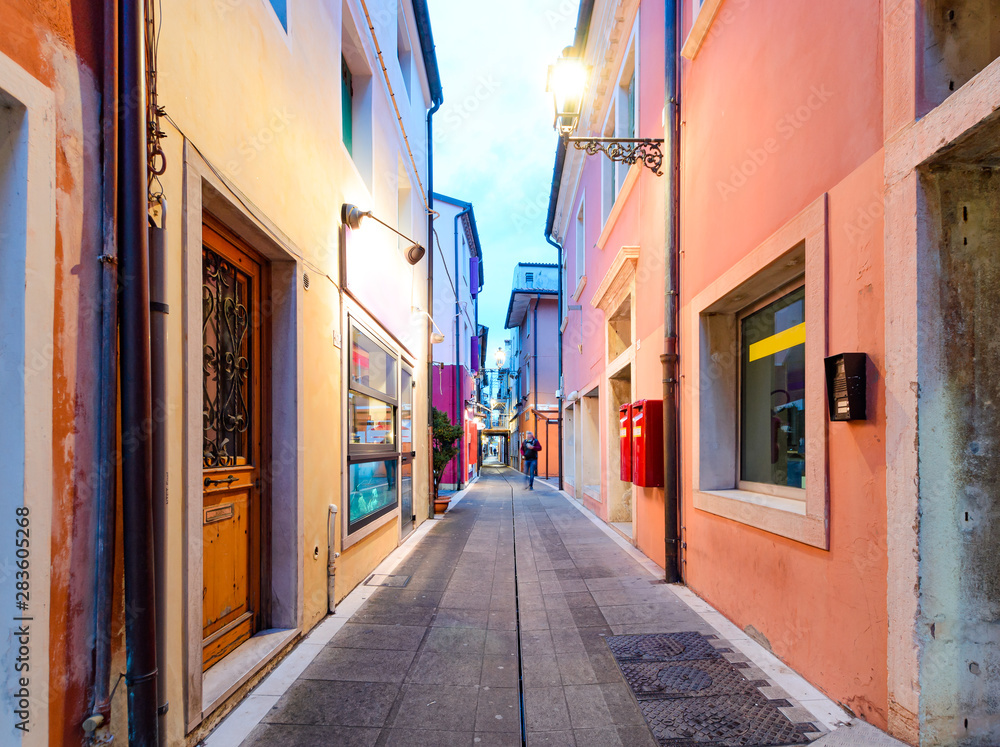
{"x": 789, "y": 338}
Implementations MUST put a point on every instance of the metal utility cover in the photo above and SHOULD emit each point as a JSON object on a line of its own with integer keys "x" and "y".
{"x": 661, "y": 647}
{"x": 739, "y": 720}
{"x": 691, "y": 695}
{"x": 680, "y": 679}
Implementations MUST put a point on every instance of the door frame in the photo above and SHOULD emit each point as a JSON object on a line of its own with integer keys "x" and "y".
{"x": 205, "y": 192}
{"x": 260, "y": 515}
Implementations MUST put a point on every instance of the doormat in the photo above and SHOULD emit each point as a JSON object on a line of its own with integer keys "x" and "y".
{"x": 381, "y": 579}
{"x": 691, "y": 696}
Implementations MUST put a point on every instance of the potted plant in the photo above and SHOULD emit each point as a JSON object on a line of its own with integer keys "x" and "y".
{"x": 444, "y": 435}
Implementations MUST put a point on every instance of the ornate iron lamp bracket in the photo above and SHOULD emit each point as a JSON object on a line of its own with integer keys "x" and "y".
{"x": 624, "y": 150}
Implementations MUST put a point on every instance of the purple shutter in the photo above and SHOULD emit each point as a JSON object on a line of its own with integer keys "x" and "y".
{"x": 474, "y": 275}
{"x": 474, "y": 348}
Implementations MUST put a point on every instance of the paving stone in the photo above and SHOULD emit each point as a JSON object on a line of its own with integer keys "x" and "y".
{"x": 427, "y": 738}
{"x": 499, "y": 671}
{"x": 541, "y": 671}
{"x": 437, "y": 708}
{"x": 602, "y": 737}
{"x": 551, "y": 739}
{"x": 501, "y": 642}
{"x": 575, "y": 669}
{"x": 460, "y": 618}
{"x": 385, "y": 637}
{"x": 545, "y": 709}
{"x": 455, "y": 640}
{"x": 587, "y": 708}
{"x": 359, "y": 665}
{"x": 328, "y": 702}
{"x": 498, "y": 710}
{"x": 535, "y": 642}
{"x": 621, "y": 705}
{"x": 431, "y": 668}
{"x": 465, "y": 600}
{"x": 301, "y": 735}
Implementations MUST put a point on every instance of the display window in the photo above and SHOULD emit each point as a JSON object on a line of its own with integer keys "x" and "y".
{"x": 373, "y": 436}
{"x": 772, "y": 393}
{"x": 373, "y": 491}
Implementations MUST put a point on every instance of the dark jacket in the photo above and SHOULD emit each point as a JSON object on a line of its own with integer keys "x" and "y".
{"x": 531, "y": 453}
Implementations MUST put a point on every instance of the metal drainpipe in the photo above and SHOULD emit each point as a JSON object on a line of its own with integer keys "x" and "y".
{"x": 96, "y": 725}
{"x": 559, "y": 334}
{"x": 158, "y": 432}
{"x": 671, "y": 440}
{"x": 430, "y": 307}
{"x": 459, "y": 419}
{"x": 134, "y": 365}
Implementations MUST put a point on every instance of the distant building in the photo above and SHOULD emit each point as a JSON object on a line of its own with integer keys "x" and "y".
{"x": 458, "y": 278}
{"x": 533, "y": 317}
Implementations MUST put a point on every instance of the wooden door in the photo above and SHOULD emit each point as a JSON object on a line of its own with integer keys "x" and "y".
{"x": 235, "y": 351}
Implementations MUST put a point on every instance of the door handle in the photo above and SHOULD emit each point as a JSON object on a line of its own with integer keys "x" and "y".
{"x": 209, "y": 482}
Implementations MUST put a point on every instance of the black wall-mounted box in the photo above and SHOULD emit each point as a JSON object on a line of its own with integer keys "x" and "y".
{"x": 846, "y": 386}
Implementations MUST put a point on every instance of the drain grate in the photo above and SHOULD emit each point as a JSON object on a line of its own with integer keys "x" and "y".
{"x": 380, "y": 579}
{"x": 680, "y": 679}
{"x": 661, "y": 647}
{"x": 690, "y": 695}
{"x": 738, "y": 720}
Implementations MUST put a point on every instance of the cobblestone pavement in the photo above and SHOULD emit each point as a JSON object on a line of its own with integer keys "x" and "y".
{"x": 436, "y": 662}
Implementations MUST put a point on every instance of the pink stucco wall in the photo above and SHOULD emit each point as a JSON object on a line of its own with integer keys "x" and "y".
{"x": 782, "y": 104}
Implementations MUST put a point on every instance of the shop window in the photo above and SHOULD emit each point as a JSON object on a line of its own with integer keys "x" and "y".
{"x": 372, "y": 491}
{"x": 772, "y": 394}
{"x": 372, "y": 445}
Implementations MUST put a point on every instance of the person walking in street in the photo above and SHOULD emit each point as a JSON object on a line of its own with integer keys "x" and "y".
{"x": 529, "y": 452}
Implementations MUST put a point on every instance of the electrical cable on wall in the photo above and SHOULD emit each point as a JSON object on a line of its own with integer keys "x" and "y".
{"x": 399, "y": 117}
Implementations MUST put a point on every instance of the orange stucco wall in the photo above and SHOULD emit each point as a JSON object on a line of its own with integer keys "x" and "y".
{"x": 782, "y": 104}
{"x": 60, "y": 45}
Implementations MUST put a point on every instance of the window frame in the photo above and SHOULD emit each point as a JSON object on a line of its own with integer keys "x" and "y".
{"x": 799, "y": 247}
{"x": 371, "y": 452}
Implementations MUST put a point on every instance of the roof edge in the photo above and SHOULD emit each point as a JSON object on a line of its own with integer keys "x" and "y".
{"x": 427, "y": 49}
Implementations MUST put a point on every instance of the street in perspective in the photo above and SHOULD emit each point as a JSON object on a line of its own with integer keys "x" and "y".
{"x": 439, "y": 373}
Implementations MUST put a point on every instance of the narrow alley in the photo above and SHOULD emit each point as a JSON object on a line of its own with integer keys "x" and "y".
{"x": 495, "y": 630}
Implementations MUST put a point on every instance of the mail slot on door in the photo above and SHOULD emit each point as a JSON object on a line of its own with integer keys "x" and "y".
{"x": 625, "y": 439}
{"x": 647, "y": 443}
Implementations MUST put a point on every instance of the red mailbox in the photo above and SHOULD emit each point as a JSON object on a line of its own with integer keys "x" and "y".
{"x": 647, "y": 443}
{"x": 625, "y": 436}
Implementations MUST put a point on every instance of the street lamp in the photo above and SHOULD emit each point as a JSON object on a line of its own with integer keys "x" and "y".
{"x": 499, "y": 357}
{"x": 568, "y": 83}
{"x": 351, "y": 216}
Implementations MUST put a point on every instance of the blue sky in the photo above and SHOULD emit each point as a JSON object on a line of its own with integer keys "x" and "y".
{"x": 494, "y": 142}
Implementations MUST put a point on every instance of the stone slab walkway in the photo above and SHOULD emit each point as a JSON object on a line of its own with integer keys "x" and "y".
{"x": 435, "y": 662}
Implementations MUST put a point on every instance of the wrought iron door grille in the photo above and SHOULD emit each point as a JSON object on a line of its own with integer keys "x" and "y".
{"x": 227, "y": 352}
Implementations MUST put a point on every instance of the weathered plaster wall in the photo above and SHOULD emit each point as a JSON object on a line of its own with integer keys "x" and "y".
{"x": 59, "y": 45}
{"x": 959, "y": 462}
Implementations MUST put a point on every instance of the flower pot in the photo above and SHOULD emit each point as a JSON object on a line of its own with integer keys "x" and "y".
{"x": 441, "y": 505}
